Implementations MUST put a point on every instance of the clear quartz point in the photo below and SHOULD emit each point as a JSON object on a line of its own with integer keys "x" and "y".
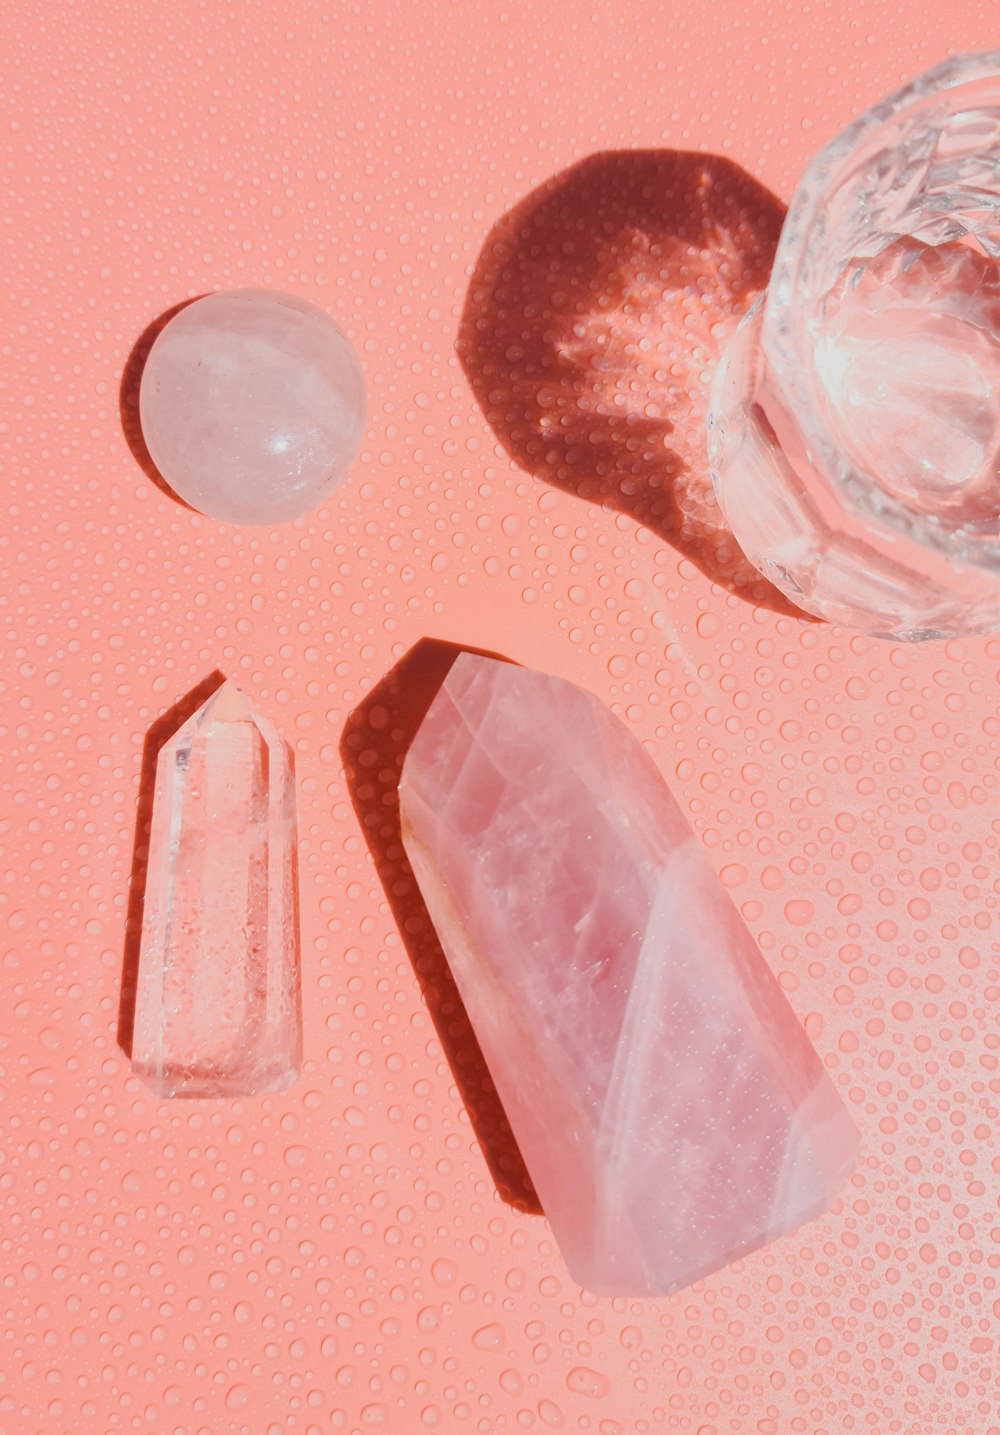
{"x": 217, "y": 1009}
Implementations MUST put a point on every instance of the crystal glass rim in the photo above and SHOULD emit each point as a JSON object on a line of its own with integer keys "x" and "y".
{"x": 790, "y": 357}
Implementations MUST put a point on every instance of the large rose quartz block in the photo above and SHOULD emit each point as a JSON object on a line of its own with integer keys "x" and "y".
{"x": 669, "y": 1108}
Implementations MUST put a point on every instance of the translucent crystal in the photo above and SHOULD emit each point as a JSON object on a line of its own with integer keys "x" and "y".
{"x": 668, "y": 1105}
{"x": 252, "y": 405}
{"x": 217, "y": 1008}
{"x": 854, "y": 426}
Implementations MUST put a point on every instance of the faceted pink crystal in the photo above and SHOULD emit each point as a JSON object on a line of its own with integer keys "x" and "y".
{"x": 217, "y": 1001}
{"x": 669, "y": 1108}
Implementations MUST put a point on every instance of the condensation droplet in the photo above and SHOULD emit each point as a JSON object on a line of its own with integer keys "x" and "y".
{"x": 550, "y": 1414}
{"x": 444, "y": 1272}
{"x": 489, "y": 1337}
{"x": 798, "y": 912}
{"x": 584, "y": 1381}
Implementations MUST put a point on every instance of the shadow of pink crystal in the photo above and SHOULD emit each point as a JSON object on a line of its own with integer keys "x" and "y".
{"x": 217, "y": 1008}
{"x": 670, "y": 1109}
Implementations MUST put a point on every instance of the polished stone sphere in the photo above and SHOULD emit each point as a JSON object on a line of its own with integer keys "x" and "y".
{"x": 252, "y": 405}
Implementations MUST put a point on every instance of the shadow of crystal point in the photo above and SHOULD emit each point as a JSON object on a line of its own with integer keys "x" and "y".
{"x": 159, "y": 733}
{"x": 596, "y": 313}
{"x": 128, "y": 398}
{"x": 376, "y": 738}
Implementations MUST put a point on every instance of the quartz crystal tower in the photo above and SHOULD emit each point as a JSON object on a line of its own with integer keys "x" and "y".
{"x": 217, "y": 1008}
{"x": 668, "y": 1106}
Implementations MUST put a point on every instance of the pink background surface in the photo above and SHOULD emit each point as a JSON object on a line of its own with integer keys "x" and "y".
{"x": 338, "y": 1258}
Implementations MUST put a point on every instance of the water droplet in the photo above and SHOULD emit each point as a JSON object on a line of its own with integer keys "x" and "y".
{"x": 798, "y": 912}
{"x": 238, "y": 1397}
{"x": 584, "y": 1381}
{"x": 489, "y": 1337}
{"x": 444, "y": 1272}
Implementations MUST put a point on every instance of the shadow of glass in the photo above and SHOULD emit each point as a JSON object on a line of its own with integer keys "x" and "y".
{"x": 376, "y": 739}
{"x": 161, "y": 731}
{"x": 597, "y": 311}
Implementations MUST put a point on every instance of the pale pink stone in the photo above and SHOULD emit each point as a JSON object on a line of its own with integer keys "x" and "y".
{"x": 669, "y": 1108}
{"x": 217, "y": 1009}
{"x": 252, "y": 405}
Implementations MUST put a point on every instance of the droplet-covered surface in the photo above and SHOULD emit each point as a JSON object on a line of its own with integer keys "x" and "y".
{"x": 336, "y": 1257}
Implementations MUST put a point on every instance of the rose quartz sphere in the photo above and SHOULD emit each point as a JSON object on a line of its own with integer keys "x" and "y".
{"x": 252, "y": 405}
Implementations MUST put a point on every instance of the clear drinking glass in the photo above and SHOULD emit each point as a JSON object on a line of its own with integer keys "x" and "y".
{"x": 854, "y": 432}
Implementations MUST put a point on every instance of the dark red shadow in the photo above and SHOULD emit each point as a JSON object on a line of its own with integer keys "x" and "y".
{"x": 376, "y": 739}
{"x": 128, "y": 399}
{"x": 594, "y": 319}
{"x": 161, "y": 731}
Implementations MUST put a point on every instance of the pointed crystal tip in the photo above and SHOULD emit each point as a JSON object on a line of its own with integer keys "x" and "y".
{"x": 227, "y": 707}
{"x": 227, "y": 704}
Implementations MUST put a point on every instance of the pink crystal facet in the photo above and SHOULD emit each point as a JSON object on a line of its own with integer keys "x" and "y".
{"x": 669, "y": 1108}
{"x": 217, "y": 1008}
